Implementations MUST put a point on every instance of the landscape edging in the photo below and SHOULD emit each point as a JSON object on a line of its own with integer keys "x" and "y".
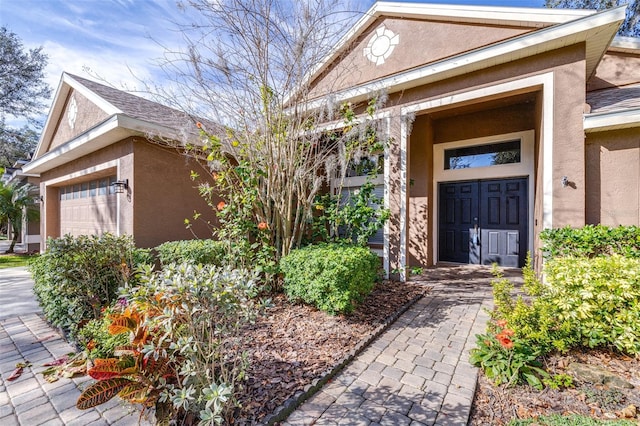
{"x": 283, "y": 411}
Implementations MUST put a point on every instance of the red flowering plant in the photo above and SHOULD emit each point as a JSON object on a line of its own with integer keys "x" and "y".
{"x": 507, "y": 359}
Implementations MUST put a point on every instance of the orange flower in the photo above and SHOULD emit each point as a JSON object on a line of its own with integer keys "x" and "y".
{"x": 221, "y": 205}
{"x": 506, "y": 342}
{"x": 91, "y": 344}
{"x": 501, "y": 323}
{"x": 262, "y": 226}
{"x": 199, "y": 125}
{"x": 508, "y": 332}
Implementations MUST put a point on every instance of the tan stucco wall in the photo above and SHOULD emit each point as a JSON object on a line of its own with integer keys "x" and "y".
{"x": 420, "y": 42}
{"x": 88, "y": 115}
{"x": 616, "y": 69}
{"x": 613, "y": 177}
{"x": 494, "y": 121}
{"x": 120, "y": 152}
{"x": 165, "y": 196}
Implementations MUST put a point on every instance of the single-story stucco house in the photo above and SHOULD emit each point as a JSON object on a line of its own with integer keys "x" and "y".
{"x": 105, "y": 165}
{"x": 502, "y": 121}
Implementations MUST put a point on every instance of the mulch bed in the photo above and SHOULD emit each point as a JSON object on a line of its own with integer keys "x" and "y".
{"x": 498, "y": 405}
{"x": 291, "y": 345}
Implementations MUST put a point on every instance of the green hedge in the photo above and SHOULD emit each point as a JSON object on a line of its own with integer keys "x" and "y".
{"x": 591, "y": 241}
{"x": 77, "y": 276}
{"x": 205, "y": 252}
{"x": 331, "y": 276}
{"x": 601, "y": 297}
{"x": 583, "y": 302}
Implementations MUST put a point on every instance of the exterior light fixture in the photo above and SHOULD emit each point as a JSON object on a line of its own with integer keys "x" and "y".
{"x": 120, "y": 186}
{"x": 564, "y": 181}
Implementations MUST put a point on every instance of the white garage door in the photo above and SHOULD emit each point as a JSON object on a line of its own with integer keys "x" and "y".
{"x": 88, "y": 208}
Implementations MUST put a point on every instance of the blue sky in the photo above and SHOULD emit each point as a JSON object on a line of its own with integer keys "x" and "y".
{"x": 116, "y": 39}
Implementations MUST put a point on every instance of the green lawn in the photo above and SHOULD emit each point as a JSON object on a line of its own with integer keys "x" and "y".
{"x": 574, "y": 420}
{"x": 13, "y": 260}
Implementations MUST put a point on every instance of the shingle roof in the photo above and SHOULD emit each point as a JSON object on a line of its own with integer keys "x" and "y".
{"x": 614, "y": 99}
{"x": 140, "y": 108}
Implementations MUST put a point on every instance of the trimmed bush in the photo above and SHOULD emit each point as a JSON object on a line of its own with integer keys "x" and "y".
{"x": 592, "y": 241}
{"x": 601, "y": 297}
{"x": 77, "y": 276}
{"x": 585, "y": 302}
{"x": 204, "y": 252}
{"x": 331, "y": 276}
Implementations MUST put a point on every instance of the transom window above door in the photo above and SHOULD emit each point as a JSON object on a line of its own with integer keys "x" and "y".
{"x": 482, "y": 155}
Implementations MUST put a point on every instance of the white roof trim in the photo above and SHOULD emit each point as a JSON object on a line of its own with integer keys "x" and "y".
{"x": 492, "y": 15}
{"x": 518, "y": 16}
{"x": 509, "y": 50}
{"x": 612, "y": 120}
{"x": 115, "y": 128}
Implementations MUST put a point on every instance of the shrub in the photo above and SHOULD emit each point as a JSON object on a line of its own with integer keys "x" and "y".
{"x": 330, "y": 276}
{"x": 507, "y": 359}
{"x": 77, "y": 276}
{"x": 182, "y": 358}
{"x": 600, "y": 297}
{"x": 205, "y": 252}
{"x": 95, "y": 338}
{"x": 353, "y": 219}
{"x": 592, "y": 241}
{"x": 589, "y": 302}
{"x": 534, "y": 317}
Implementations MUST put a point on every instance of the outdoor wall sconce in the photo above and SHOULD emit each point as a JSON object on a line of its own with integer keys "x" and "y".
{"x": 565, "y": 181}
{"x": 120, "y": 186}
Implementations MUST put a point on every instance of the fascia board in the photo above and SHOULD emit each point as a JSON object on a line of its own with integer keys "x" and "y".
{"x": 114, "y": 129}
{"x": 519, "y": 16}
{"x": 89, "y": 141}
{"x": 543, "y": 40}
{"x": 599, "y": 122}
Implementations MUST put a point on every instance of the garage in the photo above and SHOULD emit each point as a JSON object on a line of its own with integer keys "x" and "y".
{"x": 88, "y": 207}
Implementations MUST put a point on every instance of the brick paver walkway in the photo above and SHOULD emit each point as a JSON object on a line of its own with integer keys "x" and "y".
{"x": 417, "y": 372}
{"x": 30, "y": 400}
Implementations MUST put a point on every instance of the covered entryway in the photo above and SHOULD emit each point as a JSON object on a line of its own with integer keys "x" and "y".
{"x": 484, "y": 221}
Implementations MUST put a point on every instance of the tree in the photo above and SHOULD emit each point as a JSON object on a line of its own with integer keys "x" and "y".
{"x": 631, "y": 25}
{"x": 247, "y": 62}
{"x": 16, "y": 203}
{"x": 22, "y": 86}
{"x": 16, "y": 144}
{"x": 23, "y": 93}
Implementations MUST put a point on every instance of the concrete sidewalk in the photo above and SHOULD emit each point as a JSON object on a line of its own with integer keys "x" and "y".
{"x": 417, "y": 372}
{"x": 25, "y": 336}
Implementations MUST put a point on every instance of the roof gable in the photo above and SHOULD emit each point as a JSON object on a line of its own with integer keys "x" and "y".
{"x": 81, "y": 104}
{"x": 595, "y": 30}
{"x": 527, "y": 19}
{"x": 405, "y": 44}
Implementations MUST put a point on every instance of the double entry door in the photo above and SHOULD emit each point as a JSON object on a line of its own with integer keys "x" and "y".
{"x": 483, "y": 221}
